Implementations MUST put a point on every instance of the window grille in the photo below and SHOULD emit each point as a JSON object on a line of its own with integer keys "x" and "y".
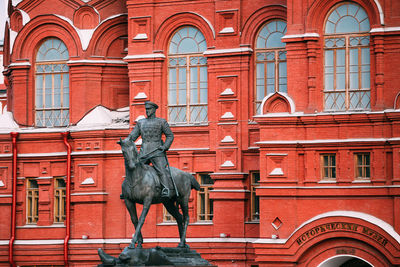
{"x": 52, "y": 84}
{"x": 347, "y": 59}
{"x": 187, "y": 77}
{"x": 270, "y": 60}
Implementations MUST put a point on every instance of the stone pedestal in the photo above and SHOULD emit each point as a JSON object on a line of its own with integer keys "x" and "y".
{"x": 157, "y": 256}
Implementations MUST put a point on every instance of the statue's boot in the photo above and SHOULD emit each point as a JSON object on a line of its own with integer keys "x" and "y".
{"x": 106, "y": 259}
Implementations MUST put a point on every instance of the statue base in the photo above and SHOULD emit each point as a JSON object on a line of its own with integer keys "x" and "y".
{"x": 157, "y": 256}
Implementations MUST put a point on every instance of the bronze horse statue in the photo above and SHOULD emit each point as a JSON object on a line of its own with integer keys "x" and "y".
{"x": 141, "y": 185}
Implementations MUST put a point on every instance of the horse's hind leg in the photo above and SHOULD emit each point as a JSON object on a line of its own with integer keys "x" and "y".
{"x": 174, "y": 211}
{"x": 131, "y": 207}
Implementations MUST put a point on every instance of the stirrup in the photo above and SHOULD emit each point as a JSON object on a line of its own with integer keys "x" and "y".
{"x": 165, "y": 192}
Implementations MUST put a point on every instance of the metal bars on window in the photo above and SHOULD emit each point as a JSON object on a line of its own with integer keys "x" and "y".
{"x": 52, "y": 84}
{"x": 347, "y": 73}
{"x": 271, "y": 74}
{"x": 187, "y": 77}
{"x": 347, "y": 59}
{"x": 52, "y": 94}
{"x": 270, "y": 62}
{"x": 187, "y": 89}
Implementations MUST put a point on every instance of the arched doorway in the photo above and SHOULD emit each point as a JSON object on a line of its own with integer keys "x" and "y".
{"x": 345, "y": 261}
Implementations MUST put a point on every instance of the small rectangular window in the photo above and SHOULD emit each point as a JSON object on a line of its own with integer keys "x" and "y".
{"x": 328, "y": 166}
{"x": 32, "y": 201}
{"x": 59, "y": 200}
{"x": 362, "y": 165}
{"x": 204, "y": 203}
{"x": 166, "y": 216}
{"x": 255, "y": 201}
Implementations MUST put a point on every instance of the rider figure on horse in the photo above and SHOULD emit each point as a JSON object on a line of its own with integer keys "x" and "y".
{"x": 153, "y": 149}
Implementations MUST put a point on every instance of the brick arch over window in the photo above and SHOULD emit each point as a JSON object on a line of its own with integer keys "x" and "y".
{"x": 315, "y": 19}
{"x": 258, "y": 19}
{"x": 107, "y": 34}
{"x": 167, "y": 28}
{"x": 43, "y": 27}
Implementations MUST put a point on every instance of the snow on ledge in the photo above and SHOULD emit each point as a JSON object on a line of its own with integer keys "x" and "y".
{"x": 228, "y": 163}
{"x": 227, "y": 115}
{"x": 7, "y": 122}
{"x": 140, "y": 36}
{"x": 227, "y": 91}
{"x": 101, "y": 116}
{"x": 140, "y": 95}
{"x": 276, "y": 171}
{"x": 227, "y": 30}
{"x": 227, "y": 139}
{"x": 98, "y": 116}
{"x": 88, "y": 181}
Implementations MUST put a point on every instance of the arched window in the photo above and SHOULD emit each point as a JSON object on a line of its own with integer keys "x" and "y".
{"x": 270, "y": 58}
{"x": 52, "y": 84}
{"x": 187, "y": 77}
{"x": 347, "y": 59}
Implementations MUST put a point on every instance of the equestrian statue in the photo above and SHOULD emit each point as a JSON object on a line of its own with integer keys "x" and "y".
{"x": 153, "y": 183}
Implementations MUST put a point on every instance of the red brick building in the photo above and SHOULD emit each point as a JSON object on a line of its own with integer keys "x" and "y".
{"x": 287, "y": 112}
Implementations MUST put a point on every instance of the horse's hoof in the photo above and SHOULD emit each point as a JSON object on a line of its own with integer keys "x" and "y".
{"x": 183, "y": 246}
{"x": 131, "y": 246}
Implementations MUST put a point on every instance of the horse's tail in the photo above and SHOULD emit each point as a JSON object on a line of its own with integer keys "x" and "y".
{"x": 193, "y": 183}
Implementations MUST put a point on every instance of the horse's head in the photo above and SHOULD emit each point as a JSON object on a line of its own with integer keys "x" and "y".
{"x": 129, "y": 151}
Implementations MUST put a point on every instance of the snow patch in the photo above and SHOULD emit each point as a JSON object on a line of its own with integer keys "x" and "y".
{"x": 7, "y": 121}
{"x": 101, "y": 116}
{"x": 140, "y": 117}
{"x": 227, "y": 115}
{"x": 16, "y": 2}
{"x": 140, "y": 36}
{"x": 228, "y": 163}
{"x": 227, "y": 139}
{"x": 227, "y": 30}
{"x": 139, "y": 142}
{"x": 88, "y": 181}
{"x": 276, "y": 171}
{"x": 227, "y": 91}
{"x": 140, "y": 95}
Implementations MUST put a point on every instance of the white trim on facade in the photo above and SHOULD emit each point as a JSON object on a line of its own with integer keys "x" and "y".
{"x": 326, "y": 141}
{"x": 127, "y": 241}
{"x": 304, "y": 35}
{"x": 145, "y": 56}
{"x": 227, "y": 51}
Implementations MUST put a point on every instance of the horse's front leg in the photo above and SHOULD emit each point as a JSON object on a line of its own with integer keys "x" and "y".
{"x": 131, "y": 207}
{"x": 185, "y": 223}
{"x": 138, "y": 228}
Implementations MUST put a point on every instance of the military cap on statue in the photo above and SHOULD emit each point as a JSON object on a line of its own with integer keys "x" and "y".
{"x": 149, "y": 104}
